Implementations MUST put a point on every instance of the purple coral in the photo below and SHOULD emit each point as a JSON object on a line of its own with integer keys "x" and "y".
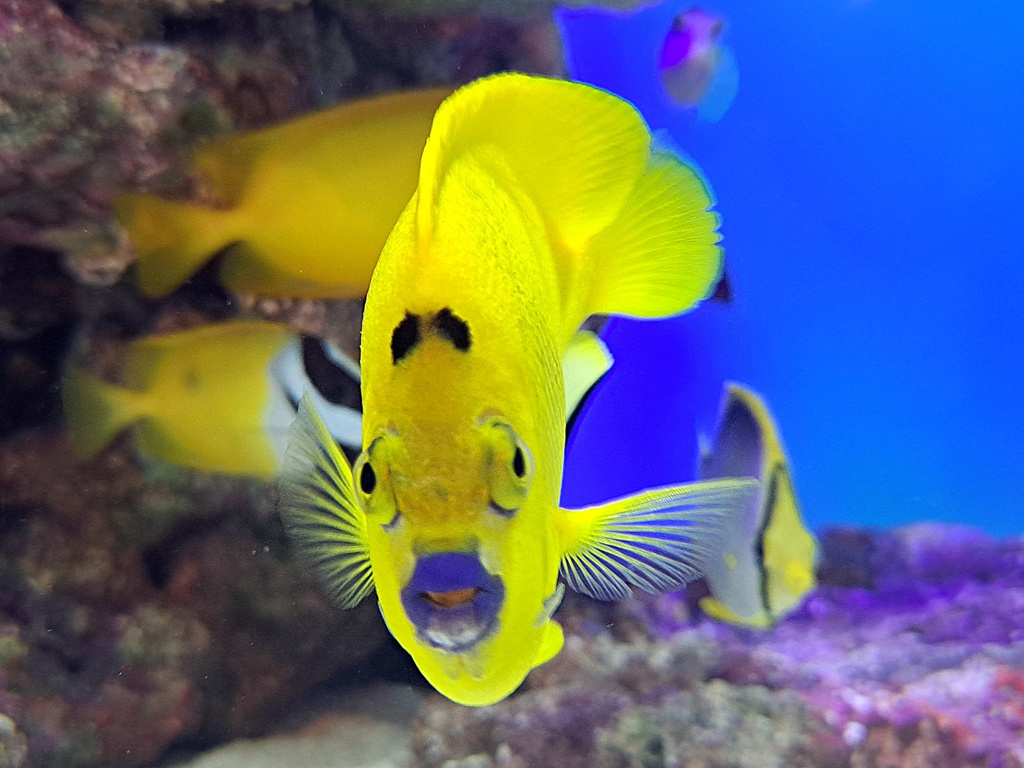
{"x": 938, "y": 632}
{"x": 910, "y": 653}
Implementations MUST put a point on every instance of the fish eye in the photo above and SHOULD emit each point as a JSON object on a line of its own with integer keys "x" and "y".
{"x": 367, "y": 478}
{"x": 519, "y": 463}
{"x": 373, "y": 480}
{"x": 509, "y": 468}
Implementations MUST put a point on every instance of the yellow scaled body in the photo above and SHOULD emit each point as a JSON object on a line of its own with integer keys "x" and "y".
{"x": 218, "y": 398}
{"x": 305, "y": 205}
{"x": 201, "y": 398}
{"x": 539, "y": 202}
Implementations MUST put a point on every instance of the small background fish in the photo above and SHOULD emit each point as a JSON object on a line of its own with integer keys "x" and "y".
{"x": 767, "y": 565}
{"x": 667, "y": 58}
{"x": 697, "y": 69}
{"x": 218, "y": 398}
{"x": 303, "y": 207}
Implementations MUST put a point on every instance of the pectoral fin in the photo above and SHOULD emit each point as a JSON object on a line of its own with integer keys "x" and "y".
{"x": 657, "y": 540}
{"x": 319, "y": 509}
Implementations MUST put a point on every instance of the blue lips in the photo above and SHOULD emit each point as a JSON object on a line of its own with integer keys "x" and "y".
{"x": 452, "y": 601}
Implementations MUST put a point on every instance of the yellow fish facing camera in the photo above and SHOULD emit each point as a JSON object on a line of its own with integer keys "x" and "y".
{"x": 539, "y": 202}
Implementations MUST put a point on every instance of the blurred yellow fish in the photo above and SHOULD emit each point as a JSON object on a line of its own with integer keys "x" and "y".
{"x": 539, "y": 203}
{"x": 768, "y": 561}
{"x": 307, "y": 204}
{"x": 218, "y": 398}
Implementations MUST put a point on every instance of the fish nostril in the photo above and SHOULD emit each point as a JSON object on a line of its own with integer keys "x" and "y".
{"x": 452, "y": 598}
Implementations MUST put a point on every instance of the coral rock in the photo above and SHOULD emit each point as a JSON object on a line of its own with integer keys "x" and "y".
{"x": 910, "y": 654}
{"x": 139, "y": 609}
{"x": 79, "y": 117}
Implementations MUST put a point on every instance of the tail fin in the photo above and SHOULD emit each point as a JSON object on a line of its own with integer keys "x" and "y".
{"x": 95, "y": 410}
{"x": 661, "y": 255}
{"x": 172, "y": 239}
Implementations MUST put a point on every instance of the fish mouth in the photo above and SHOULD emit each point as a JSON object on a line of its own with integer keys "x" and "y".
{"x": 453, "y": 601}
{"x": 453, "y": 598}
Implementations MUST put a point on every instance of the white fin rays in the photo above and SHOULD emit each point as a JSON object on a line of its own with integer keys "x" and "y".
{"x": 656, "y": 540}
{"x": 319, "y": 509}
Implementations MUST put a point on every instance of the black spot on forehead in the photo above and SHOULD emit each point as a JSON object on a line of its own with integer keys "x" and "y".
{"x": 405, "y": 337}
{"x": 453, "y": 328}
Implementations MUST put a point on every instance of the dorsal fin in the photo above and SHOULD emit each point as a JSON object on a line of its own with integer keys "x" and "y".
{"x": 575, "y": 150}
{"x": 629, "y": 221}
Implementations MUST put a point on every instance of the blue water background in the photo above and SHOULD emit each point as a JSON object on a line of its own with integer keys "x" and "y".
{"x": 870, "y": 175}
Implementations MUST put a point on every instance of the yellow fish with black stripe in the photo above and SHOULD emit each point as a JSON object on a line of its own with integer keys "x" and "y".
{"x": 767, "y": 563}
{"x": 539, "y": 203}
{"x": 303, "y": 208}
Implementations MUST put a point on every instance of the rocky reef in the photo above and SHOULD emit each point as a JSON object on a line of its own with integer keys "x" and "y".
{"x": 911, "y": 653}
{"x": 144, "y": 606}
